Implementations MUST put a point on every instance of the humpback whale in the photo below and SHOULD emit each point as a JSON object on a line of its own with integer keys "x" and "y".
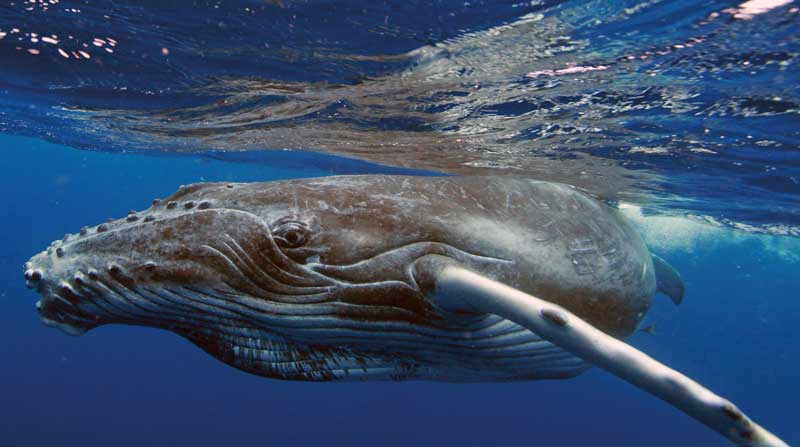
{"x": 459, "y": 279}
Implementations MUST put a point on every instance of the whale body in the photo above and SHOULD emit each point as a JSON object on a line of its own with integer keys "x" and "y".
{"x": 311, "y": 279}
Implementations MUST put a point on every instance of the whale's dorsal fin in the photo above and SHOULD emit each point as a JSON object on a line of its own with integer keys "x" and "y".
{"x": 668, "y": 280}
{"x": 452, "y": 287}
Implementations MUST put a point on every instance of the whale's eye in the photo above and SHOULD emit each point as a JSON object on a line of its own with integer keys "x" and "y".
{"x": 293, "y": 238}
{"x": 291, "y": 234}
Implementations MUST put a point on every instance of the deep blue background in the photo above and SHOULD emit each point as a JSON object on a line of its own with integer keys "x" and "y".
{"x": 736, "y": 332}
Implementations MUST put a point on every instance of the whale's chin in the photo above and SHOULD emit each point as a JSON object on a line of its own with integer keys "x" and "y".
{"x": 66, "y": 328}
{"x": 54, "y": 312}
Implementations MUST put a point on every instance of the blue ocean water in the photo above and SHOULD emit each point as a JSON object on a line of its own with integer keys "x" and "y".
{"x": 684, "y": 113}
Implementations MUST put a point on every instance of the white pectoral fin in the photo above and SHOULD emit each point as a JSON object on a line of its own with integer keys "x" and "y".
{"x": 456, "y": 288}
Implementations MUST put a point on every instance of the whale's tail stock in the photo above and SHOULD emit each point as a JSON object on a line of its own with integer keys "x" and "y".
{"x": 455, "y": 288}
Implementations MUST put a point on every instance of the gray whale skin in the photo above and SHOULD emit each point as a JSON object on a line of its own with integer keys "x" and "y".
{"x": 459, "y": 279}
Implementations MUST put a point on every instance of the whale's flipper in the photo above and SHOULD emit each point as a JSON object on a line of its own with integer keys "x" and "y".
{"x": 668, "y": 281}
{"x": 454, "y": 288}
